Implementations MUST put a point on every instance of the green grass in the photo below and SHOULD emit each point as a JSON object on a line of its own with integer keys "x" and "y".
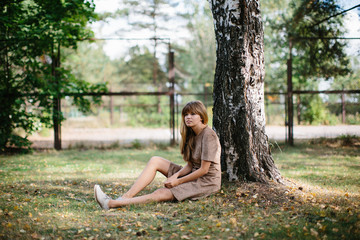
{"x": 49, "y": 195}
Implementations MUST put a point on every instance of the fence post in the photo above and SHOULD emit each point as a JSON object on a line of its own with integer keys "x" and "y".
{"x": 172, "y": 96}
{"x": 290, "y": 97}
{"x": 111, "y": 103}
{"x": 57, "y": 100}
{"x": 343, "y": 107}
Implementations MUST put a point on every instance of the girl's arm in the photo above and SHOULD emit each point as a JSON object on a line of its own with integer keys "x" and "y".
{"x": 204, "y": 168}
{"x": 182, "y": 172}
{"x": 185, "y": 170}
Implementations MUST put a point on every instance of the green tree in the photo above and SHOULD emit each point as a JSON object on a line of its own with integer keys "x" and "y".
{"x": 195, "y": 60}
{"x": 297, "y": 26}
{"x": 32, "y": 35}
{"x": 350, "y": 80}
{"x": 92, "y": 64}
{"x": 149, "y": 15}
{"x": 316, "y": 51}
{"x": 136, "y": 75}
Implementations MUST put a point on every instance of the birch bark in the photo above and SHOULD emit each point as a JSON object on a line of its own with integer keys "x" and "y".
{"x": 239, "y": 116}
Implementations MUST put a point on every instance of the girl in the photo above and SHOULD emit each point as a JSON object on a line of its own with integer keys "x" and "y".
{"x": 200, "y": 177}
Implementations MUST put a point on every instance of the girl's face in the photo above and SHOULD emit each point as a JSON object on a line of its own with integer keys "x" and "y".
{"x": 192, "y": 120}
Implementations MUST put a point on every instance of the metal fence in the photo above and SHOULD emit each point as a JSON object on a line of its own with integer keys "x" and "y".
{"x": 119, "y": 107}
{"x": 124, "y": 118}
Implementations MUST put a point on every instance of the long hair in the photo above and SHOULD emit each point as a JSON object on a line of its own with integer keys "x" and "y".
{"x": 187, "y": 134}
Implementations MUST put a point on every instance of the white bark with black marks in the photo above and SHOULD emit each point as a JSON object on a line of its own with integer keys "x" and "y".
{"x": 239, "y": 115}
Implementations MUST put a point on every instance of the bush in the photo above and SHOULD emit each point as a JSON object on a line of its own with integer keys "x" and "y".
{"x": 146, "y": 113}
{"x": 317, "y": 113}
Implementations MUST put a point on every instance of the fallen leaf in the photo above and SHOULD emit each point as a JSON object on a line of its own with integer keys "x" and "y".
{"x": 35, "y": 236}
{"x": 27, "y": 226}
{"x": 313, "y": 232}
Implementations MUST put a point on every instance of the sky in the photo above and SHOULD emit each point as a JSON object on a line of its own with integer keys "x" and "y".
{"x": 352, "y": 23}
{"x": 116, "y": 49}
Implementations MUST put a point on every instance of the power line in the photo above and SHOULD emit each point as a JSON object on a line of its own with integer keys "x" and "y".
{"x": 335, "y": 38}
{"x": 166, "y": 39}
{"x": 335, "y": 15}
{"x": 129, "y": 39}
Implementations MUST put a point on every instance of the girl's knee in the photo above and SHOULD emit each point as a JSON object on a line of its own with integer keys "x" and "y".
{"x": 154, "y": 160}
{"x": 159, "y": 164}
{"x": 163, "y": 194}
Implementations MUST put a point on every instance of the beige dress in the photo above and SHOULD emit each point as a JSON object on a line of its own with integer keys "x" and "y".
{"x": 207, "y": 147}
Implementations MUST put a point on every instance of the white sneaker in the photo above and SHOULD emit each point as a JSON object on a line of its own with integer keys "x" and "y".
{"x": 101, "y": 198}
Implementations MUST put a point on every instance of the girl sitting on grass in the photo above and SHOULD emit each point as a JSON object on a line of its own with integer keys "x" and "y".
{"x": 200, "y": 177}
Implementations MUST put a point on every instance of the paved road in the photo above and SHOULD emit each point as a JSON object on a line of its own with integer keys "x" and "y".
{"x": 309, "y": 132}
{"x": 72, "y": 137}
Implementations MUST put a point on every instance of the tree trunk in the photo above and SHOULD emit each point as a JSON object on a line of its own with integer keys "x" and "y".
{"x": 239, "y": 116}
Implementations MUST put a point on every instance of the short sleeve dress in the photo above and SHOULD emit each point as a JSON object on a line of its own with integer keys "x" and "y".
{"x": 207, "y": 147}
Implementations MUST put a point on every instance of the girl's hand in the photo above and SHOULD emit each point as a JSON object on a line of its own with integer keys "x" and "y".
{"x": 171, "y": 182}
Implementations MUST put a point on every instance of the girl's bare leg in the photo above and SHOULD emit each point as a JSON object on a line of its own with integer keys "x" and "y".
{"x": 148, "y": 174}
{"x": 160, "y": 195}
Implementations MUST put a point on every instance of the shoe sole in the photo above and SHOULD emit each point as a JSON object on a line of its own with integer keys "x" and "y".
{"x": 96, "y": 196}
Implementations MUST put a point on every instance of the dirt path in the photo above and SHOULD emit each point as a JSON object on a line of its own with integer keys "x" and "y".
{"x": 103, "y": 137}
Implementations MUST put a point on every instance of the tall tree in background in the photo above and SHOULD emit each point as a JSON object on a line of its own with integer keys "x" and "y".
{"x": 95, "y": 67}
{"x": 135, "y": 72}
{"x": 196, "y": 60}
{"x": 31, "y": 78}
{"x": 316, "y": 51}
{"x": 153, "y": 15}
{"x": 239, "y": 117}
{"x": 317, "y": 54}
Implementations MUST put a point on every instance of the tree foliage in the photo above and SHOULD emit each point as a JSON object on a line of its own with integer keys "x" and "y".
{"x": 317, "y": 54}
{"x": 32, "y": 34}
{"x": 147, "y": 14}
{"x": 195, "y": 60}
{"x": 138, "y": 71}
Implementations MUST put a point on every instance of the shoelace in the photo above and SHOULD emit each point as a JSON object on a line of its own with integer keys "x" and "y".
{"x": 107, "y": 197}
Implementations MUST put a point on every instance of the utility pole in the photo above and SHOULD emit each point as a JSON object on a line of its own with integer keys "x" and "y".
{"x": 172, "y": 95}
{"x": 57, "y": 98}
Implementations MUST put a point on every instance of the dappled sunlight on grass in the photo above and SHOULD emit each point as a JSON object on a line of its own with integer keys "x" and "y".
{"x": 322, "y": 165}
{"x": 50, "y": 195}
